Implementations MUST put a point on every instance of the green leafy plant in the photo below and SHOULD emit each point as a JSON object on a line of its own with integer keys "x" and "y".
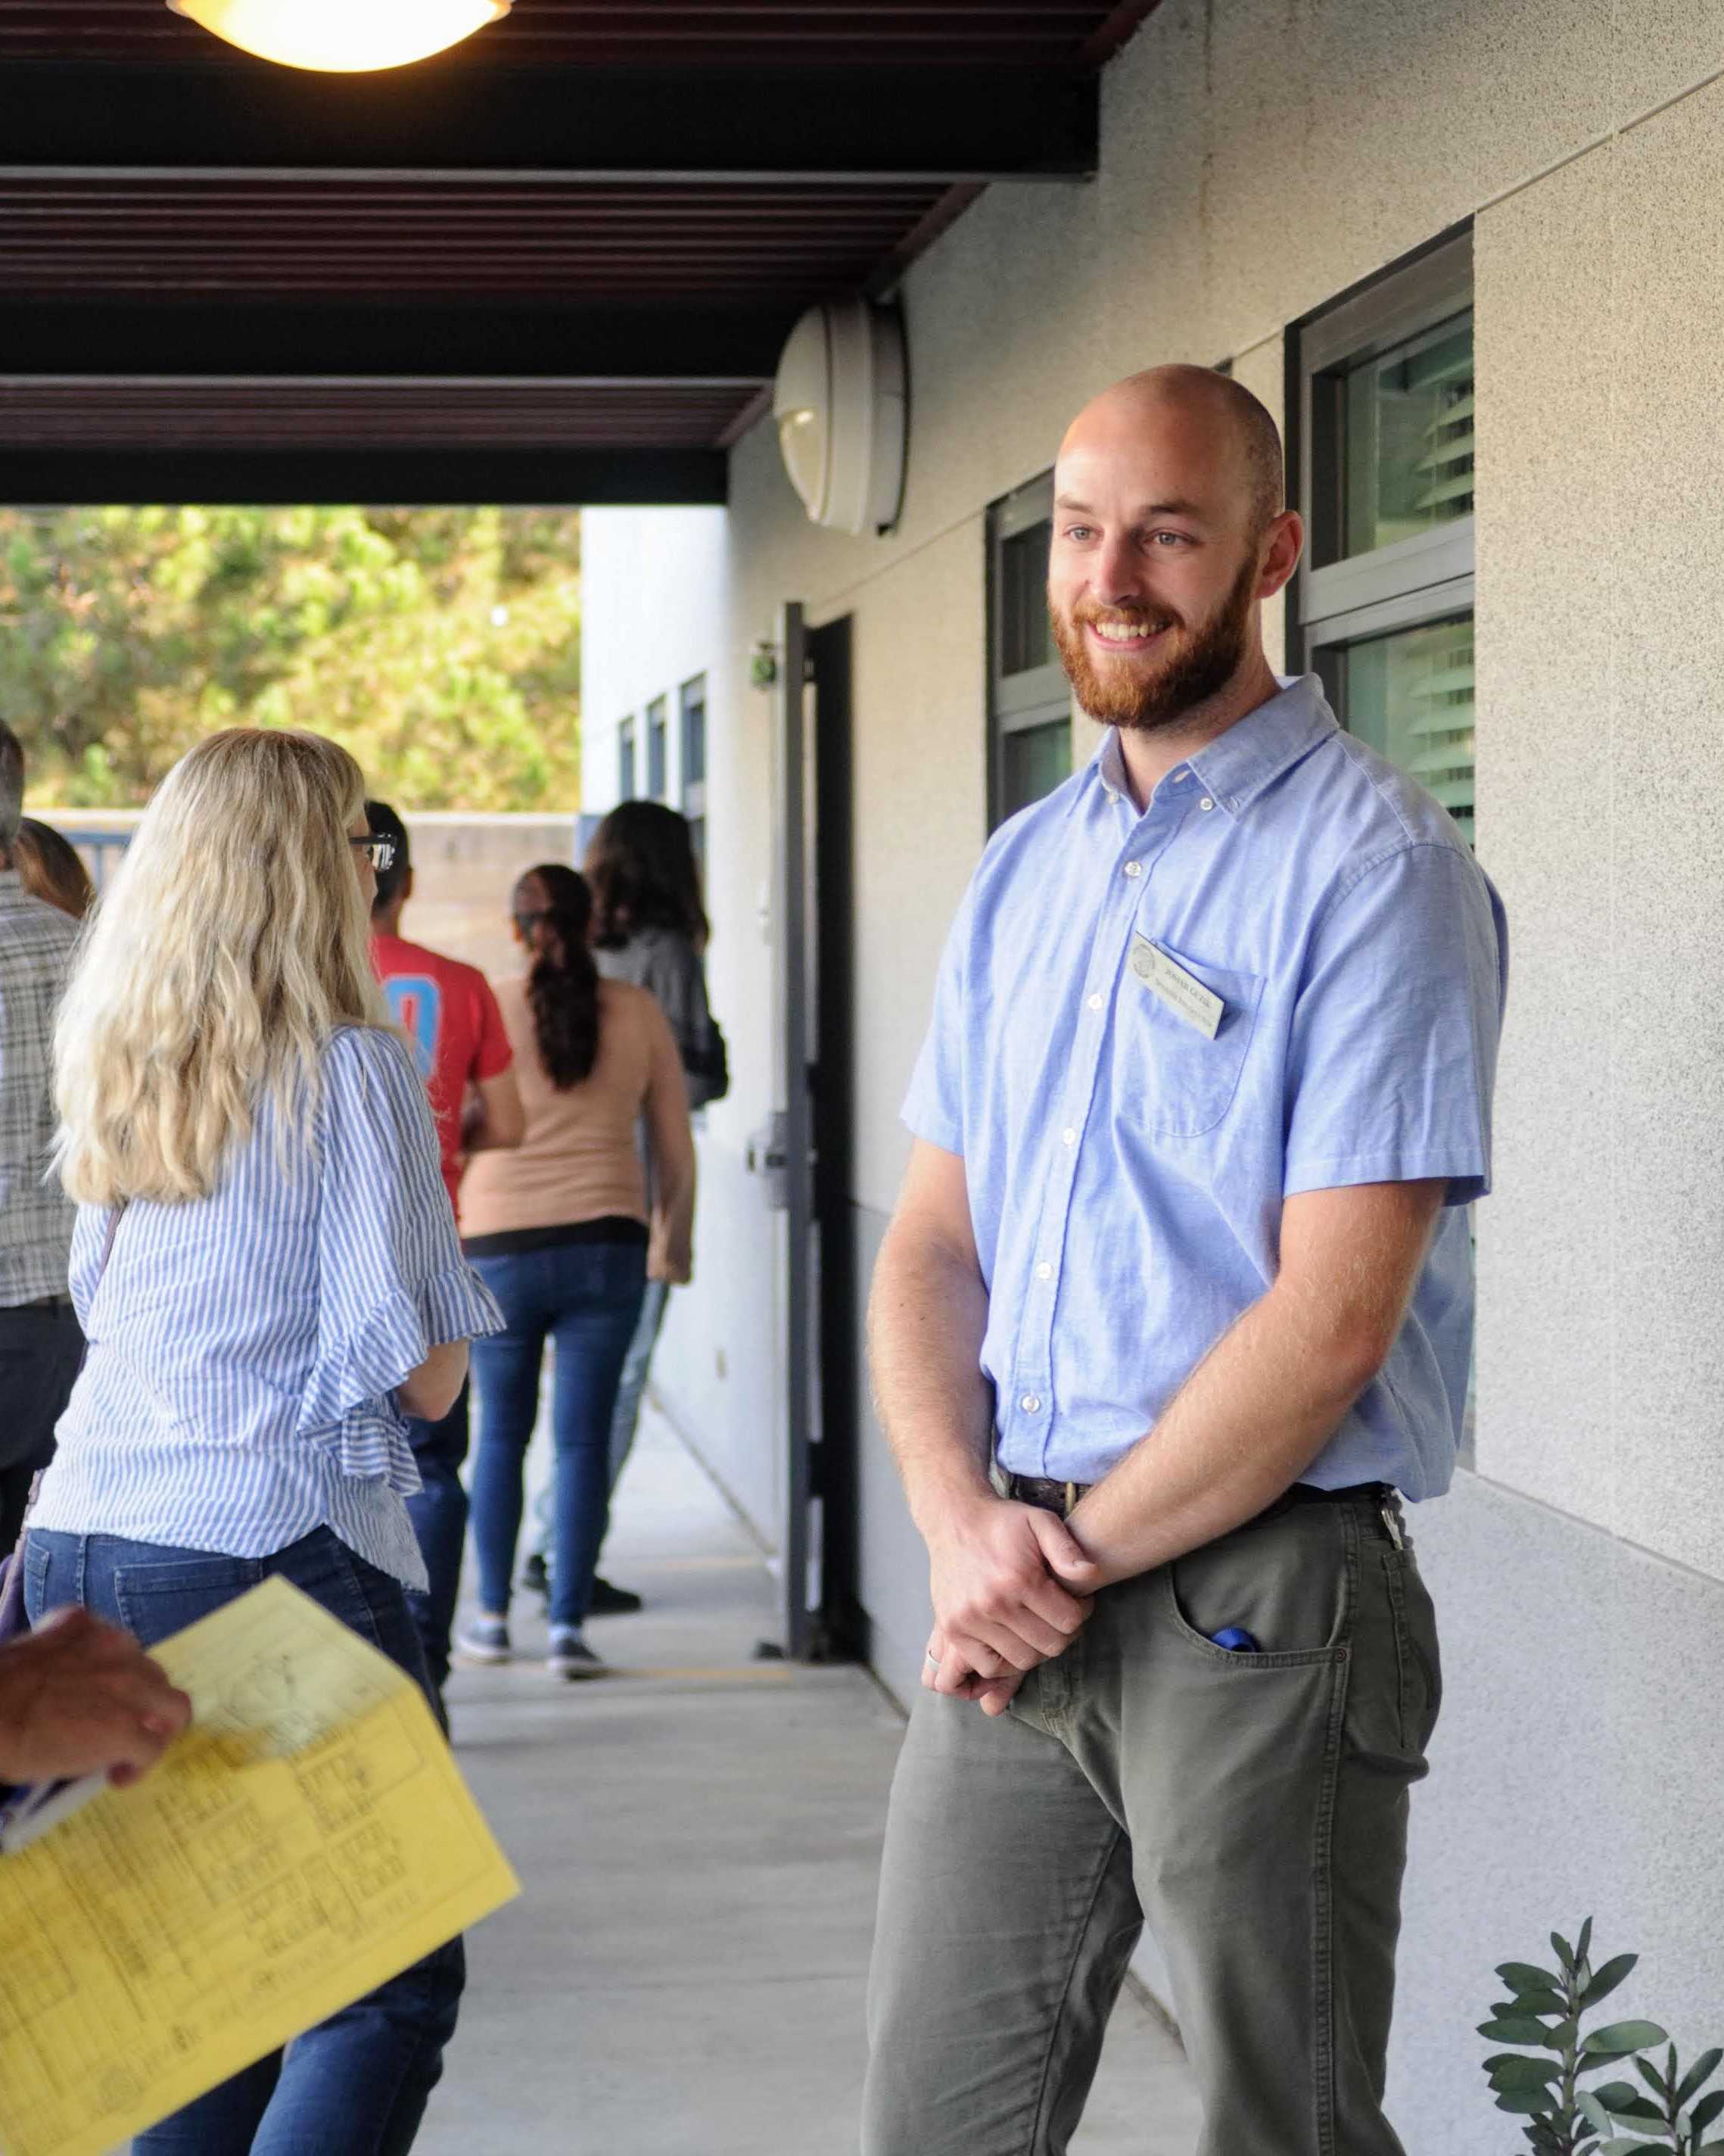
{"x": 1542, "y": 2081}
{"x": 1623, "y": 2117}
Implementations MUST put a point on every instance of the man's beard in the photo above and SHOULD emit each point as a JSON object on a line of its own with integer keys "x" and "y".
{"x": 1198, "y": 666}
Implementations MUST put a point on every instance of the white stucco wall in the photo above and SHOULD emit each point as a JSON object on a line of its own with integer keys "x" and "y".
{"x": 656, "y": 611}
{"x": 1258, "y": 159}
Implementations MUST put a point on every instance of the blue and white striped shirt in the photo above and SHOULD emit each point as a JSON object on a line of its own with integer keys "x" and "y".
{"x": 244, "y": 1347}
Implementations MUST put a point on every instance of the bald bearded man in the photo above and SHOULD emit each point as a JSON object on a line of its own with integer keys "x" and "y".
{"x": 1175, "y": 1309}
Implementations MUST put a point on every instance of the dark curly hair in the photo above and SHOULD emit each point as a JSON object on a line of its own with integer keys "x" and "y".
{"x": 641, "y": 863}
{"x": 562, "y": 988}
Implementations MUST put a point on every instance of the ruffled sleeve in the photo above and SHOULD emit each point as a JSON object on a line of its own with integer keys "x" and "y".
{"x": 392, "y": 1282}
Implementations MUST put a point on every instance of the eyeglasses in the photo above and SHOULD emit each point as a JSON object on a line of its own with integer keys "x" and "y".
{"x": 380, "y": 851}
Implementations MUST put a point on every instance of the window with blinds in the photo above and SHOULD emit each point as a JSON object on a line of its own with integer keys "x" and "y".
{"x": 1384, "y": 601}
{"x": 625, "y": 761}
{"x": 692, "y": 702}
{"x": 1029, "y": 700}
{"x": 1410, "y": 695}
{"x": 1409, "y": 439}
{"x": 658, "y": 731}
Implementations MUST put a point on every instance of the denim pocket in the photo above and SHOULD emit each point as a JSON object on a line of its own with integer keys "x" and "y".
{"x": 37, "y": 1558}
{"x": 155, "y": 1600}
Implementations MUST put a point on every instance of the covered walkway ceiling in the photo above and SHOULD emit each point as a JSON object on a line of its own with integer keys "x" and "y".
{"x": 557, "y": 263}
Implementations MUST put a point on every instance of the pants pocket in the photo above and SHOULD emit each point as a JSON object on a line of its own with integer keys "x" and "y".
{"x": 156, "y": 1601}
{"x": 1394, "y": 1688}
{"x": 1418, "y": 1657}
{"x": 1286, "y": 1581}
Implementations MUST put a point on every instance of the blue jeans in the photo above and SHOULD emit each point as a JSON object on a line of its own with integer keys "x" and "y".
{"x": 439, "y": 1518}
{"x": 357, "y": 2084}
{"x": 625, "y": 1419}
{"x": 586, "y": 1298}
{"x": 625, "y": 1416}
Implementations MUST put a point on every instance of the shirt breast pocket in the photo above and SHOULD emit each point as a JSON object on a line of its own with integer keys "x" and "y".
{"x": 1173, "y": 1080}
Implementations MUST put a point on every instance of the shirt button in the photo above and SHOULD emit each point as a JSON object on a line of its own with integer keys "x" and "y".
{"x": 1031, "y": 1403}
{"x": 1094, "y": 1002}
{"x": 1206, "y": 803}
{"x": 1136, "y": 868}
{"x": 1068, "y": 1138}
{"x": 1045, "y": 1271}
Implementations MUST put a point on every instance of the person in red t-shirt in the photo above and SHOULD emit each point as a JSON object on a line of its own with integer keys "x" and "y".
{"x": 448, "y": 1013}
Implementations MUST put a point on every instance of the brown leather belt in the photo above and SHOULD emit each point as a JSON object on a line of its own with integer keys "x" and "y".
{"x": 1062, "y": 1497}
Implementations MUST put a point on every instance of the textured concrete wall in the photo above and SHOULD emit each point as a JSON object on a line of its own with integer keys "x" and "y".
{"x": 1601, "y": 312}
{"x": 1258, "y": 159}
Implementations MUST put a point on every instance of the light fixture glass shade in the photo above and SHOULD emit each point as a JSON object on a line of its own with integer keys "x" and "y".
{"x": 840, "y": 401}
{"x": 801, "y": 441}
{"x": 343, "y": 37}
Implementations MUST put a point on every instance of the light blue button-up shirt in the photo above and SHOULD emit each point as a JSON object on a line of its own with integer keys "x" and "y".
{"x": 1127, "y": 1170}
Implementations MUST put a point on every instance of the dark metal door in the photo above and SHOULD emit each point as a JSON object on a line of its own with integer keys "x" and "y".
{"x": 798, "y": 987}
{"x": 822, "y": 1358}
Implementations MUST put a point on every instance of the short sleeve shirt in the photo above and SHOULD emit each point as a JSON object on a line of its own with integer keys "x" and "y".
{"x": 450, "y": 1014}
{"x": 1287, "y": 974}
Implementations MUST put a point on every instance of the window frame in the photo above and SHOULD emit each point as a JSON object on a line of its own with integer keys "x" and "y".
{"x": 627, "y": 758}
{"x": 1430, "y": 577}
{"x": 658, "y": 748}
{"x": 690, "y": 697}
{"x": 1037, "y": 696}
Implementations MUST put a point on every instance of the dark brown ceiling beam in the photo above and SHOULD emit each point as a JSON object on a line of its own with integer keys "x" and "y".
{"x": 193, "y": 190}
{"x": 312, "y": 339}
{"x": 410, "y": 478}
{"x": 431, "y": 220}
{"x": 826, "y": 124}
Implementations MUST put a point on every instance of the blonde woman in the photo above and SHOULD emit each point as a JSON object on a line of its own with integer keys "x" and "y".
{"x": 266, "y": 1266}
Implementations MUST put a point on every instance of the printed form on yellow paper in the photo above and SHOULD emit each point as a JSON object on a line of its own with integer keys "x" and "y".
{"x": 308, "y": 1837}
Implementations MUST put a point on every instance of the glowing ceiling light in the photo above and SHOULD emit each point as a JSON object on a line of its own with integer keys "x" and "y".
{"x": 343, "y": 37}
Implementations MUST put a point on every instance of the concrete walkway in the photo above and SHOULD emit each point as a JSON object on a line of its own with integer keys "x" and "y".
{"x": 697, "y": 1837}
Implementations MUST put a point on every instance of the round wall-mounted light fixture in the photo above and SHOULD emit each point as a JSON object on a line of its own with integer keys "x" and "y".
{"x": 343, "y": 37}
{"x": 840, "y": 403}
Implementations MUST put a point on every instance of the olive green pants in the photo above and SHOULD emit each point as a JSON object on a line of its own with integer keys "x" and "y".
{"x": 1252, "y": 1807}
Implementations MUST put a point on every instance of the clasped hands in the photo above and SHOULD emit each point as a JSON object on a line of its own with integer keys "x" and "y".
{"x": 1012, "y": 1589}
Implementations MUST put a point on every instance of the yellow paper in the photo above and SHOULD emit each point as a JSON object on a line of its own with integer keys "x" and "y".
{"x": 308, "y": 1838}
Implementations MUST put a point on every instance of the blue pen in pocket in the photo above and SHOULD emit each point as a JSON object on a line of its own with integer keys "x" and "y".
{"x": 1236, "y": 1639}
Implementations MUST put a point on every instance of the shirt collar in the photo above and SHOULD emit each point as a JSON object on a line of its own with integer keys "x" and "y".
{"x": 1238, "y": 765}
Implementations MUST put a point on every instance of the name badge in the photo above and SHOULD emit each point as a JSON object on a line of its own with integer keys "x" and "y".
{"x": 1182, "y": 993}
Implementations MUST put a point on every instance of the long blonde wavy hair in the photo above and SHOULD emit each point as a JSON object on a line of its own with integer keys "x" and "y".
{"x": 230, "y": 944}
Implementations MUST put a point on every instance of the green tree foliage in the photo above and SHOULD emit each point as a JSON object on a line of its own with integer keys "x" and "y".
{"x": 441, "y": 646}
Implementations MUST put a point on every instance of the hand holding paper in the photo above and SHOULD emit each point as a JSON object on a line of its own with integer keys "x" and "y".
{"x": 78, "y": 1698}
{"x": 306, "y": 1838}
